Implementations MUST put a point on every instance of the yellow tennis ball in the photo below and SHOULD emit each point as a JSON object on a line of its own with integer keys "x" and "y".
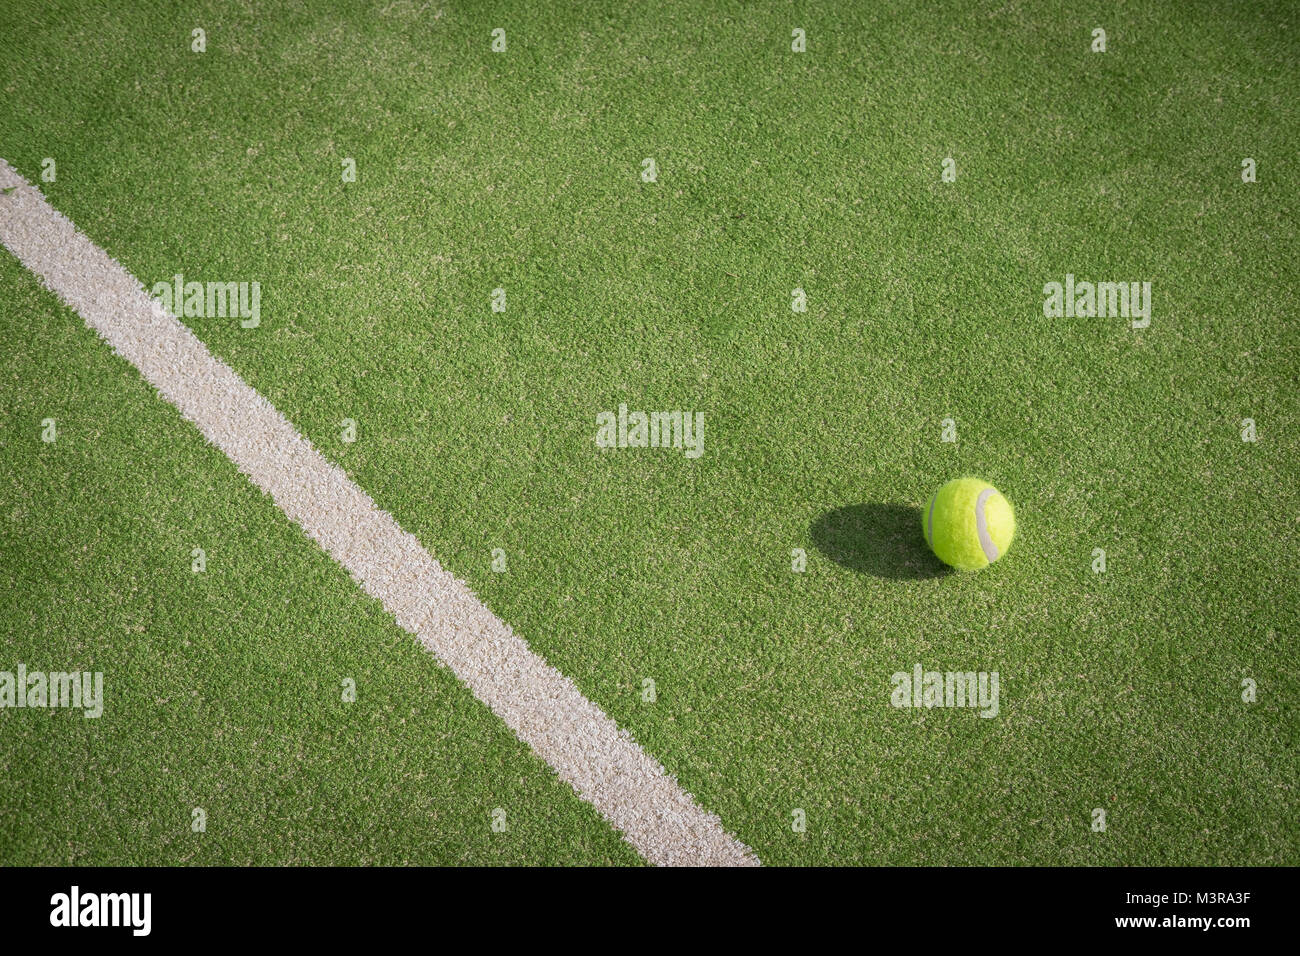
{"x": 968, "y": 524}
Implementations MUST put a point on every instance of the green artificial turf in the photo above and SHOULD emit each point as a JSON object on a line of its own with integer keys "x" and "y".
{"x": 476, "y": 428}
{"x": 223, "y": 689}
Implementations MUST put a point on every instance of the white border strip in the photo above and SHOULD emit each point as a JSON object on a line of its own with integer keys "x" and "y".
{"x": 543, "y": 707}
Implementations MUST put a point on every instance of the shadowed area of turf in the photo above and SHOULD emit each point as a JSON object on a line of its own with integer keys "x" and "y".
{"x": 880, "y": 539}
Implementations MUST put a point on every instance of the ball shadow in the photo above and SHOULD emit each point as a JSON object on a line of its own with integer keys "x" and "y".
{"x": 884, "y": 540}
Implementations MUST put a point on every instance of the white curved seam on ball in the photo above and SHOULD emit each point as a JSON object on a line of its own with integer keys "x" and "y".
{"x": 982, "y": 525}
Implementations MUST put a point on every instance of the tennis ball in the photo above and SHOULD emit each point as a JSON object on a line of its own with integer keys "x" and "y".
{"x": 968, "y": 524}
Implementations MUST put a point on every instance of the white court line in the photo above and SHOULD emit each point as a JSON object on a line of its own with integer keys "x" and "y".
{"x": 543, "y": 707}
